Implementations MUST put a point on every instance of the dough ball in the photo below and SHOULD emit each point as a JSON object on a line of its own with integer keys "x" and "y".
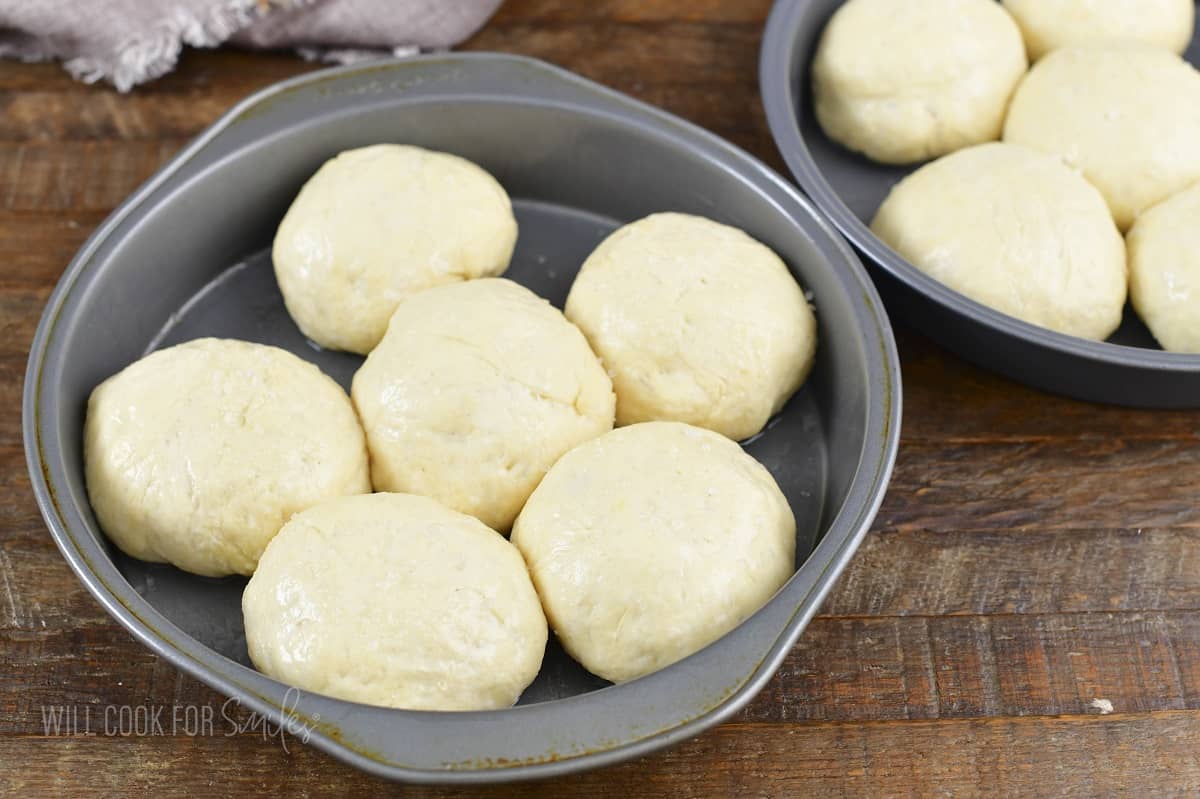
{"x": 652, "y": 541}
{"x": 696, "y": 322}
{"x": 376, "y": 224}
{"x": 1016, "y": 230}
{"x": 906, "y": 80}
{"x": 1164, "y": 270}
{"x": 475, "y": 391}
{"x": 394, "y": 600}
{"x": 197, "y": 454}
{"x": 1127, "y": 117}
{"x": 1050, "y": 24}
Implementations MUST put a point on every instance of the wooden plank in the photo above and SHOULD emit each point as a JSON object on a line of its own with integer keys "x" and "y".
{"x": 77, "y": 176}
{"x": 712, "y": 12}
{"x": 708, "y": 75}
{"x": 12, "y": 379}
{"x": 35, "y": 248}
{"x": 1103, "y": 756}
{"x": 1044, "y": 485}
{"x": 946, "y": 398}
{"x": 59, "y": 116}
{"x": 100, "y": 113}
{"x": 700, "y": 53}
{"x": 19, "y": 314}
{"x": 955, "y": 667}
{"x": 928, "y": 573}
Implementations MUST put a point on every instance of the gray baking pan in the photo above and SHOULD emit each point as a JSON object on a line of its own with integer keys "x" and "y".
{"x": 187, "y": 255}
{"x": 1128, "y": 369}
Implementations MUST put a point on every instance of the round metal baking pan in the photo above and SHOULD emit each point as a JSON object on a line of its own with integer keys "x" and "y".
{"x": 1128, "y": 369}
{"x": 188, "y": 255}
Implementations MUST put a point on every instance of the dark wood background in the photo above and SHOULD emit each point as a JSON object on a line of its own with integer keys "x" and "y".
{"x": 1034, "y": 554}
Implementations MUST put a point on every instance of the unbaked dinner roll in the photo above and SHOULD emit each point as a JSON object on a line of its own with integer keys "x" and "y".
{"x": 652, "y": 541}
{"x": 696, "y": 322}
{"x": 906, "y": 80}
{"x": 197, "y": 454}
{"x": 376, "y": 224}
{"x": 1128, "y": 117}
{"x": 1050, "y": 24}
{"x": 1016, "y": 230}
{"x": 1164, "y": 270}
{"x": 394, "y": 600}
{"x": 475, "y": 391}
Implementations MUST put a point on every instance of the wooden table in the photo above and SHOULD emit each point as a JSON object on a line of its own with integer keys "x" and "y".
{"x": 1036, "y": 562}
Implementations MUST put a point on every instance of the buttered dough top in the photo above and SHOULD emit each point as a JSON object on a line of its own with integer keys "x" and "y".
{"x": 1050, "y": 24}
{"x": 394, "y": 600}
{"x": 1014, "y": 229}
{"x": 696, "y": 322}
{"x": 475, "y": 391}
{"x": 1164, "y": 270}
{"x": 652, "y": 541}
{"x": 376, "y": 224}
{"x": 1127, "y": 116}
{"x": 197, "y": 454}
{"x": 906, "y": 80}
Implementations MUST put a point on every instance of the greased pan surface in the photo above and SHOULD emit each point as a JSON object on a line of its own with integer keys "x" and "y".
{"x": 188, "y": 255}
{"x": 1128, "y": 369}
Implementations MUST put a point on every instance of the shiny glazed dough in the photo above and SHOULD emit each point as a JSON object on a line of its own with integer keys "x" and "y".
{"x": 197, "y": 454}
{"x": 376, "y": 224}
{"x": 652, "y": 541}
{"x": 1164, "y": 270}
{"x": 1050, "y": 24}
{"x": 475, "y": 391}
{"x": 1016, "y": 230}
{"x": 394, "y": 600}
{"x": 696, "y": 322}
{"x": 906, "y": 80}
{"x": 1128, "y": 117}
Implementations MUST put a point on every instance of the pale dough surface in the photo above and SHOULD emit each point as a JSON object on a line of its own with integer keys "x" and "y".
{"x": 696, "y": 322}
{"x": 1164, "y": 270}
{"x": 1014, "y": 229}
{"x": 1050, "y": 24}
{"x": 475, "y": 391}
{"x": 906, "y": 80}
{"x": 1127, "y": 116}
{"x": 652, "y": 541}
{"x": 395, "y": 600}
{"x": 197, "y": 454}
{"x": 376, "y": 224}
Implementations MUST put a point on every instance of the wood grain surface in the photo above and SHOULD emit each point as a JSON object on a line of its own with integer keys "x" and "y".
{"x": 1024, "y": 619}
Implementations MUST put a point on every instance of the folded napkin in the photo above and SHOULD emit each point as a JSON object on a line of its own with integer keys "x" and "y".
{"x": 127, "y": 42}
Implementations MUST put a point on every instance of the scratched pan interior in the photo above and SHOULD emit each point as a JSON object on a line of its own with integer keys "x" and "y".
{"x": 188, "y": 256}
{"x": 1127, "y": 369}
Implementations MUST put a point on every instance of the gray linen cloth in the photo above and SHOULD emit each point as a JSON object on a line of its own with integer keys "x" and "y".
{"x": 127, "y": 42}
